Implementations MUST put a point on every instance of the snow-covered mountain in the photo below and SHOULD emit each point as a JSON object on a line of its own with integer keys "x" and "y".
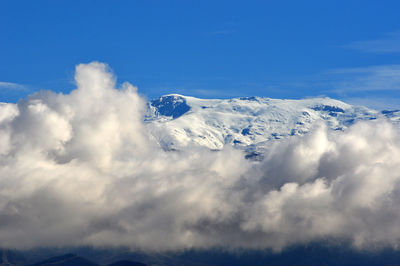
{"x": 248, "y": 123}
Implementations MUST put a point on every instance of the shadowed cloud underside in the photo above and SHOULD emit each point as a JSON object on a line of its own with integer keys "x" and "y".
{"x": 82, "y": 169}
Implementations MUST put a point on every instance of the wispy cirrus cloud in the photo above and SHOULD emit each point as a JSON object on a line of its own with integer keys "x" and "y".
{"x": 377, "y": 87}
{"x": 367, "y": 79}
{"x": 377, "y": 103}
{"x": 10, "y": 85}
{"x": 389, "y": 44}
{"x": 11, "y": 92}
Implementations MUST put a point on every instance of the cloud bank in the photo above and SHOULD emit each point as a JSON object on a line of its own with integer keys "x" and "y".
{"x": 81, "y": 169}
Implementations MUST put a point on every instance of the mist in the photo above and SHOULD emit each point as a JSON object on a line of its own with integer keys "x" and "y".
{"x": 82, "y": 169}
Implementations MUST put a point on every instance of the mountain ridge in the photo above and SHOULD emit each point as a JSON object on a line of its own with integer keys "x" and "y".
{"x": 247, "y": 123}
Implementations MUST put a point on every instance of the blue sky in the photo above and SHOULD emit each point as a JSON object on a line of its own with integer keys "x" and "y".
{"x": 348, "y": 50}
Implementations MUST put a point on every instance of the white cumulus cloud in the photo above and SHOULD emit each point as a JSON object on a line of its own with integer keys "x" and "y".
{"x": 81, "y": 169}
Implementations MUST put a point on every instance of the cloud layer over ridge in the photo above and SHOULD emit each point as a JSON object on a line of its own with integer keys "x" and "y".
{"x": 81, "y": 169}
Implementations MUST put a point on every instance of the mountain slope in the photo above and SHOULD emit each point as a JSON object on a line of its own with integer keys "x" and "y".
{"x": 249, "y": 123}
{"x": 66, "y": 260}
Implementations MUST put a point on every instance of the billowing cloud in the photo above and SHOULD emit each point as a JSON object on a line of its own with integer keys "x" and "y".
{"x": 81, "y": 169}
